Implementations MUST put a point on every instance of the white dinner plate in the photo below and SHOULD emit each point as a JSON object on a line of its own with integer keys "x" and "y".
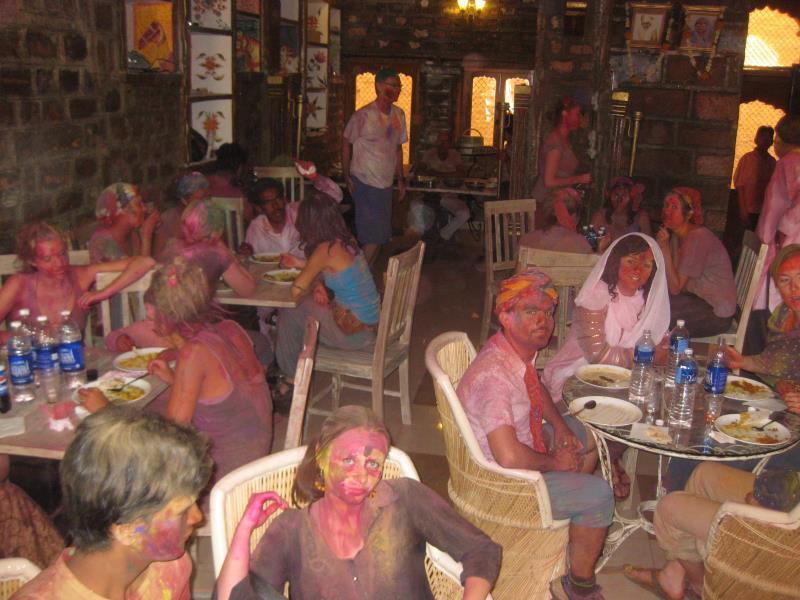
{"x": 609, "y": 411}
{"x": 607, "y": 377}
{"x": 740, "y": 427}
{"x": 136, "y": 391}
{"x": 266, "y": 259}
{"x": 123, "y": 361}
{"x": 281, "y": 276}
{"x": 742, "y": 388}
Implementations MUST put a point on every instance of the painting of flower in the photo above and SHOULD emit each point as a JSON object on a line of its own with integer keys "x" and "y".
{"x": 316, "y": 110}
{"x": 213, "y": 119}
{"x": 316, "y": 67}
{"x": 214, "y": 14}
{"x": 317, "y": 23}
{"x": 211, "y": 63}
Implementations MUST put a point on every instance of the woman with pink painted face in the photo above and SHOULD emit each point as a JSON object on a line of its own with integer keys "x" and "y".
{"x": 130, "y": 482}
{"x": 359, "y": 536}
{"x": 623, "y": 213}
{"x": 702, "y": 290}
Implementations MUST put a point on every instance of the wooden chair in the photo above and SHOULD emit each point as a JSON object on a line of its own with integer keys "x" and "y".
{"x": 512, "y": 506}
{"x": 752, "y": 552}
{"x": 391, "y": 344}
{"x": 293, "y": 185}
{"x": 132, "y": 300}
{"x": 234, "y": 219}
{"x": 568, "y": 270}
{"x": 14, "y": 573}
{"x": 504, "y": 222}
{"x": 276, "y": 472}
{"x": 302, "y": 383}
{"x": 748, "y": 271}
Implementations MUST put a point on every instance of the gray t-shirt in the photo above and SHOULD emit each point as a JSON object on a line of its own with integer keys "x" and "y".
{"x": 705, "y": 261}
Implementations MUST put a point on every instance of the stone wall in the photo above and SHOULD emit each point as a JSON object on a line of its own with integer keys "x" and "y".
{"x": 688, "y": 133}
{"x": 72, "y": 120}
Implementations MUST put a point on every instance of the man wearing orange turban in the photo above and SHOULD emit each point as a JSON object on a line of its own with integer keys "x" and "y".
{"x": 507, "y": 406}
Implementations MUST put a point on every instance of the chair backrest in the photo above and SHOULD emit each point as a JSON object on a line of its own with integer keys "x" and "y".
{"x": 234, "y": 219}
{"x": 568, "y": 270}
{"x": 292, "y": 181}
{"x": 504, "y": 222}
{"x": 752, "y": 552}
{"x": 14, "y": 573}
{"x": 748, "y": 271}
{"x": 302, "y": 383}
{"x": 447, "y": 358}
{"x": 132, "y": 299}
{"x": 399, "y": 301}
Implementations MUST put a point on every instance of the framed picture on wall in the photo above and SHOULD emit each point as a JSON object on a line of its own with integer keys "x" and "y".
{"x": 290, "y": 48}
{"x": 248, "y": 43}
{"x": 151, "y": 34}
{"x": 212, "y": 14}
{"x": 213, "y": 119}
{"x": 648, "y": 22}
{"x": 336, "y": 19}
{"x": 700, "y": 27}
{"x": 316, "y": 110}
{"x": 210, "y": 67}
{"x": 290, "y": 9}
{"x": 249, "y": 6}
{"x": 317, "y": 23}
{"x": 316, "y": 67}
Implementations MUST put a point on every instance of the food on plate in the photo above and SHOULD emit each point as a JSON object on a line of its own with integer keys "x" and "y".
{"x": 267, "y": 258}
{"x": 607, "y": 379}
{"x": 128, "y": 393}
{"x": 281, "y": 276}
{"x": 747, "y": 388}
{"x": 139, "y": 362}
{"x": 657, "y": 435}
{"x": 744, "y": 429}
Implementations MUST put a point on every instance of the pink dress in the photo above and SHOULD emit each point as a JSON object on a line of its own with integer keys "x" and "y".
{"x": 240, "y": 422}
{"x": 28, "y": 299}
{"x": 781, "y": 213}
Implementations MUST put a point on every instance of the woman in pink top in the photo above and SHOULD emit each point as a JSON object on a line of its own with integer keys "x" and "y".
{"x": 218, "y": 384}
{"x": 701, "y": 285}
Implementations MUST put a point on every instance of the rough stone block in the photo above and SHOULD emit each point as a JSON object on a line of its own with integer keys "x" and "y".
{"x": 68, "y": 137}
{"x": 70, "y": 81}
{"x": 75, "y": 46}
{"x": 85, "y": 167}
{"x": 716, "y": 107}
{"x": 713, "y": 165}
{"x": 562, "y": 66}
{"x": 82, "y": 108}
{"x": 40, "y": 45}
{"x": 6, "y": 113}
{"x": 658, "y": 133}
{"x": 705, "y": 136}
{"x": 660, "y": 102}
{"x": 104, "y": 17}
{"x": 15, "y": 82}
{"x": 53, "y": 110}
{"x": 69, "y": 200}
{"x": 9, "y": 44}
{"x": 44, "y": 81}
{"x": 680, "y": 70}
{"x": 30, "y": 112}
{"x": 54, "y": 175}
{"x": 663, "y": 162}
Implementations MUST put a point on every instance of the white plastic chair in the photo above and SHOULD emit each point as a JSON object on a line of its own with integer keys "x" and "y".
{"x": 276, "y": 472}
{"x": 293, "y": 185}
{"x": 132, "y": 299}
{"x": 14, "y": 573}
{"x": 234, "y": 219}
{"x": 302, "y": 383}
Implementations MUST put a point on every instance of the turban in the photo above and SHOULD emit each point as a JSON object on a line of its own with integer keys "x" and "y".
{"x": 190, "y": 183}
{"x": 114, "y": 198}
{"x": 530, "y": 282}
{"x": 691, "y": 198}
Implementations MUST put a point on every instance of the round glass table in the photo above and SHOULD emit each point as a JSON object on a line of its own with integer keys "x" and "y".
{"x": 699, "y": 442}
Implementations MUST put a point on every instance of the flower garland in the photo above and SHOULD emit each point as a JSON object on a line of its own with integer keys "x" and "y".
{"x": 705, "y": 73}
{"x": 655, "y": 68}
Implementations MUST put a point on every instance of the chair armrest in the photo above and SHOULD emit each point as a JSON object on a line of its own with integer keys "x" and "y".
{"x": 758, "y": 514}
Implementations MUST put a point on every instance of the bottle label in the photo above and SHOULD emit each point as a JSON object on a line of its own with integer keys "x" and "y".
{"x": 70, "y": 354}
{"x": 20, "y": 367}
{"x": 686, "y": 373}
{"x": 3, "y": 383}
{"x": 46, "y": 357}
{"x": 716, "y": 378}
{"x": 643, "y": 354}
{"x": 679, "y": 345}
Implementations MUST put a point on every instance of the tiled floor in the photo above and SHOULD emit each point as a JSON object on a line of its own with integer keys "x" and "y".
{"x": 450, "y": 298}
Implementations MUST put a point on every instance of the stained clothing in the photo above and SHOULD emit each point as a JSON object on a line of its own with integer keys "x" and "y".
{"x": 25, "y": 530}
{"x": 104, "y": 248}
{"x": 396, "y": 524}
{"x": 375, "y": 137}
{"x": 355, "y": 290}
{"x": 567, "y": 164}
{"x": 779, "y": 360}
{"x": 28, "y": 299}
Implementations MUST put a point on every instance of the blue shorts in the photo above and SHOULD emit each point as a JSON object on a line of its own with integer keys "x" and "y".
{"x": 373, "y": 212}
{"x": 586, "y": 500}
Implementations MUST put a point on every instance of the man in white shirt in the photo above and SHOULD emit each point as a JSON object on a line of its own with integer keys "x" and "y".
{"x": 377, "y": 133}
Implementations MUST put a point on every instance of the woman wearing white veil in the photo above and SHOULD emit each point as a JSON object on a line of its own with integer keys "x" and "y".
{"x": 625, "y": 294}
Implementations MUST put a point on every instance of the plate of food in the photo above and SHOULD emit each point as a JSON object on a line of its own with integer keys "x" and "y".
{"x": 281, "y": 276}
{"x": 742, "y": 427}
{"x": 266, "y": 259}
{"x": 137, "y": 360}
{"x": 607, "y": 411}
{"x": 223, "y": 288}
{"x": 129, "y": 393}
{"x": 608, "y": 377}
{"x": 744, "y": 389}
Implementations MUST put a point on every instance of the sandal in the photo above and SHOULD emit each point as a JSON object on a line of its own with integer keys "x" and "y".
{"x": 620, "y": 481}
{"x": 654, "y": 586}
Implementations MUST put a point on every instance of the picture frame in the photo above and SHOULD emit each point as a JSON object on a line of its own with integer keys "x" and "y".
{"x": 700, "y": 25}
{"x": 211, "y": 66}
{"x": 317, "y": 23}
{"x": 317, "y": 67}
{"x": 648, "y": 23}
{"x": 150, "y": 32}
{"x": 316, "y": 110}
{"x": 289, "y": 49}
{"x": 213, "y": 119}
{"x": 211, "y": 14}
{"x": 247, "y": 44}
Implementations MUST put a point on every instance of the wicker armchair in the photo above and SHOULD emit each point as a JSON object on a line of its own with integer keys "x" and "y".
{"x": 276, "y": 472}
{"x": 14, "y": 573}
{"x": 752, "y": 552}
{"x": 511, "y": 505}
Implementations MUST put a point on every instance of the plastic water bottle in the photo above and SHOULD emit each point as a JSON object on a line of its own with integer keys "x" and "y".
{"x": 29, "y": 328}
{"x": 642, "y": 375}
{"x": 678, "y": 343}
{"x": 70, "y": 352}
{"x": 46, "y": 347}
{"x": 682, "y": 407}
{"x": 20, "y": 363}
{"x": 714, "y": 385}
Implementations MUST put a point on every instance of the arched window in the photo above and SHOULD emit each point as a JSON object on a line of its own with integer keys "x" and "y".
{"x": 365, "y": 93}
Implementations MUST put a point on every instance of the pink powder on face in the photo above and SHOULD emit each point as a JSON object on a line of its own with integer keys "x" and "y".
{"x": 164, "y": 536}
{"x": 353, "y": 464}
